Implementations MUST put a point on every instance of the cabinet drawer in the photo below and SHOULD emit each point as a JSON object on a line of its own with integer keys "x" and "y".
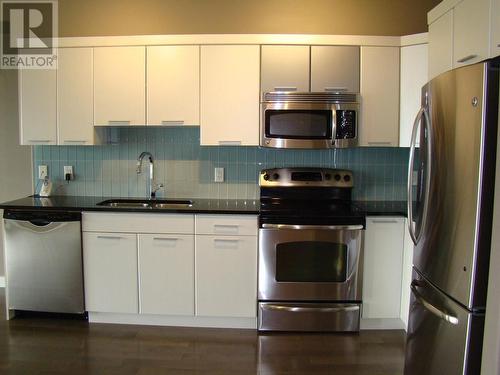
{"x": 233, "y": 225}
{"x": 138, "y": 223}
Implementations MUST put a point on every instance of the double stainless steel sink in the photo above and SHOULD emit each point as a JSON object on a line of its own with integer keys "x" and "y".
{"x": 165, "y": 204}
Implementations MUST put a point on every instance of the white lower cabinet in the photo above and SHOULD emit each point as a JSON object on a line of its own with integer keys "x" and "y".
{"x": 110, "y": 272}
{"x": 166, "y": 274}
{"x": 155, "y": 269}
{"x": 406, "y": 275}
{"x": 382, "y": 272}
{"x": 226, "y": 276}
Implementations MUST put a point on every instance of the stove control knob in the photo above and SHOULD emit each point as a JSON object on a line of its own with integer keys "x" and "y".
{"x": 337, "y": 177}
{"x": 266, "y": 177}
{"x": 276, "y": 176}
{"x": 328, "y": 176}
{"x": 347, "y": 178}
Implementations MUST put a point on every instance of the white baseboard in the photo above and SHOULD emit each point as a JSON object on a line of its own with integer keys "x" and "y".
{"x": 175, "y": 321}
{"x": 2, "y": 281}
{"x": 382, "y": 324}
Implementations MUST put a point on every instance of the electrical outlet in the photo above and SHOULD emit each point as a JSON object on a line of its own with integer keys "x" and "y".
{"x": 68, "y": 170}
{"x": 219, "y": 174}
{"x": 43, "y": 172}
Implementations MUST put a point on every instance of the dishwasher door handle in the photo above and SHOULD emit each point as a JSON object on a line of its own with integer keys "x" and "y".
{"x": 28, "y": 225}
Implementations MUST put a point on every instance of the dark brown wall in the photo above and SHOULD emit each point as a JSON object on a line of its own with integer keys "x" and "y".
{"x": 142, "y": 17}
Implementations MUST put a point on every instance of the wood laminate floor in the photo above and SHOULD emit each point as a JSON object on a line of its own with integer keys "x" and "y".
{"x": 55, "y": 346}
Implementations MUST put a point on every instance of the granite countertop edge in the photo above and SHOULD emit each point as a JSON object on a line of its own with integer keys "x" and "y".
{"x": 201, "y": 206}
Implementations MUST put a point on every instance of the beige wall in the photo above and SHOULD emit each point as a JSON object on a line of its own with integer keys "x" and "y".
{"x": 140, "y": 17}
{"x": 15, "y": 161}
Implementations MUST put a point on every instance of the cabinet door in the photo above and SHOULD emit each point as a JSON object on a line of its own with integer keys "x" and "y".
{"x": 335, "y": 68}
{"x": 226, "y": 276}
{"x": 119, "y": 86}
{"x": 229, "y": 95}
{"x": 75, "y": 96}
{"x": 379, "y": 123}
{"x": 285, "y": 68}
{"x": 173, "y": 85}
{"x": 441, "y": 45}
{"x": 110, "y": 271}
{"x": 166, "y": 274}
{"x": 406, "y": 275}
{"x": 413, "y": 76}
{"x": 471, "y": 32}
{"x": 37, "y": 106}
{"x": 495, "y": 28}
{"x": 383, "y": 259}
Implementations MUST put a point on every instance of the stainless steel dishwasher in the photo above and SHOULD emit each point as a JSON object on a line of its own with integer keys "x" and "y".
{"x": 43, "y": 261}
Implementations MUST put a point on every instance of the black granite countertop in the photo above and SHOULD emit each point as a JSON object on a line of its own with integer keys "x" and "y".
{"x": 77, "y": 203}
{"x": 383, "y": 208}
{"x": 215, "y": 206}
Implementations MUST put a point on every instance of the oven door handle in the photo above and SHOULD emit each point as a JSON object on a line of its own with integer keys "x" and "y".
{"x": 309, "y": 309}
{"x": 313, "y": 227}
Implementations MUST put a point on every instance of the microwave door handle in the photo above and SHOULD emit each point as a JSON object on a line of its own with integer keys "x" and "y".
{"x": 334, "y": 125}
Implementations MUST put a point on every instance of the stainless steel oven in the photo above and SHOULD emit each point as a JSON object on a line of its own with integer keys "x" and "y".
{"x": 309, "y": 120}
{"x": 310, "y": 251}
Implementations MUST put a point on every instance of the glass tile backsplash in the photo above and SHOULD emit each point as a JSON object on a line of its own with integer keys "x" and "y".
{"x": 186, "y": 169}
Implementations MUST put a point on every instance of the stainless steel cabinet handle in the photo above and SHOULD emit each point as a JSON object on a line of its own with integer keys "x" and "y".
{"x": 227, "y": 240}
{"x": 385, "y": 221}
{"x": 336, "y": 89}
{"x": 119, "y": 122}
{"x": 230, "y": 143}
{"x": 466, "y": 58}
{"x": 285, "y": 88}
{"x": 431, "y": 308}
{"x": 308, "y": 309}
{"x": 74, "y": 141}
{"x": 380, "y": 143}
{"x": 165, "y": 239}
{"x": 226, "y": 225}
{"x": 172, "y": 122}
{"x": 299, "y": 227}
{"x": 40, "y": 140}
{"x": 109, "y": 237}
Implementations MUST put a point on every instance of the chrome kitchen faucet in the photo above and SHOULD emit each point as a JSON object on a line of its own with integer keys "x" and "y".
{"x": 151, "y": 186}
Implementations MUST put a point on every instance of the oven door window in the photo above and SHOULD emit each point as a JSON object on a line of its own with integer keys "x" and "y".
{"x": 311, "y": 261}
{"x": 298, "y": 124}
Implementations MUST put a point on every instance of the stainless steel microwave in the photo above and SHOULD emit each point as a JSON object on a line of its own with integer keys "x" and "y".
{"x": 313, "y": 120}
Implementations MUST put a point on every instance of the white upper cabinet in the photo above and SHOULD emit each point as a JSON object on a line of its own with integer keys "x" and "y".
{"x": 335, "y": 68}
{"x": 379, "y": 123}
{"x": 441, "y": 45}
{"x": 229, "y": 95}
{"x": 75, "y": 96}
{"x": 471, "y": 32}
{"x": 119, "y": 86}
{"x": 37, "y": 107}
{"x": 285, "y": 68}
{"x": 173, "y": 85}
{"x": 414, "y": 75}
{"x": 495, "y": 28}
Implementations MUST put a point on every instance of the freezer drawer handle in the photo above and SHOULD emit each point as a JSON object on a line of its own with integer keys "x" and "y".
{"x": 430, "y": 307}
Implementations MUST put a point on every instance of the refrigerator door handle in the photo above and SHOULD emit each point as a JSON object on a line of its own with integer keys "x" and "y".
{"x": 421, "y": 113}
{"x": 430, "y": 307}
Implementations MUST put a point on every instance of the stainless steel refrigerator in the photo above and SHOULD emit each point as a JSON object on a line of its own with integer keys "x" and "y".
{"x": 450, "y": 206}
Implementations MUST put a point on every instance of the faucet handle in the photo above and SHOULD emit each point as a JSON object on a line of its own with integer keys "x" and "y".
{"x": 156, "y": 186}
